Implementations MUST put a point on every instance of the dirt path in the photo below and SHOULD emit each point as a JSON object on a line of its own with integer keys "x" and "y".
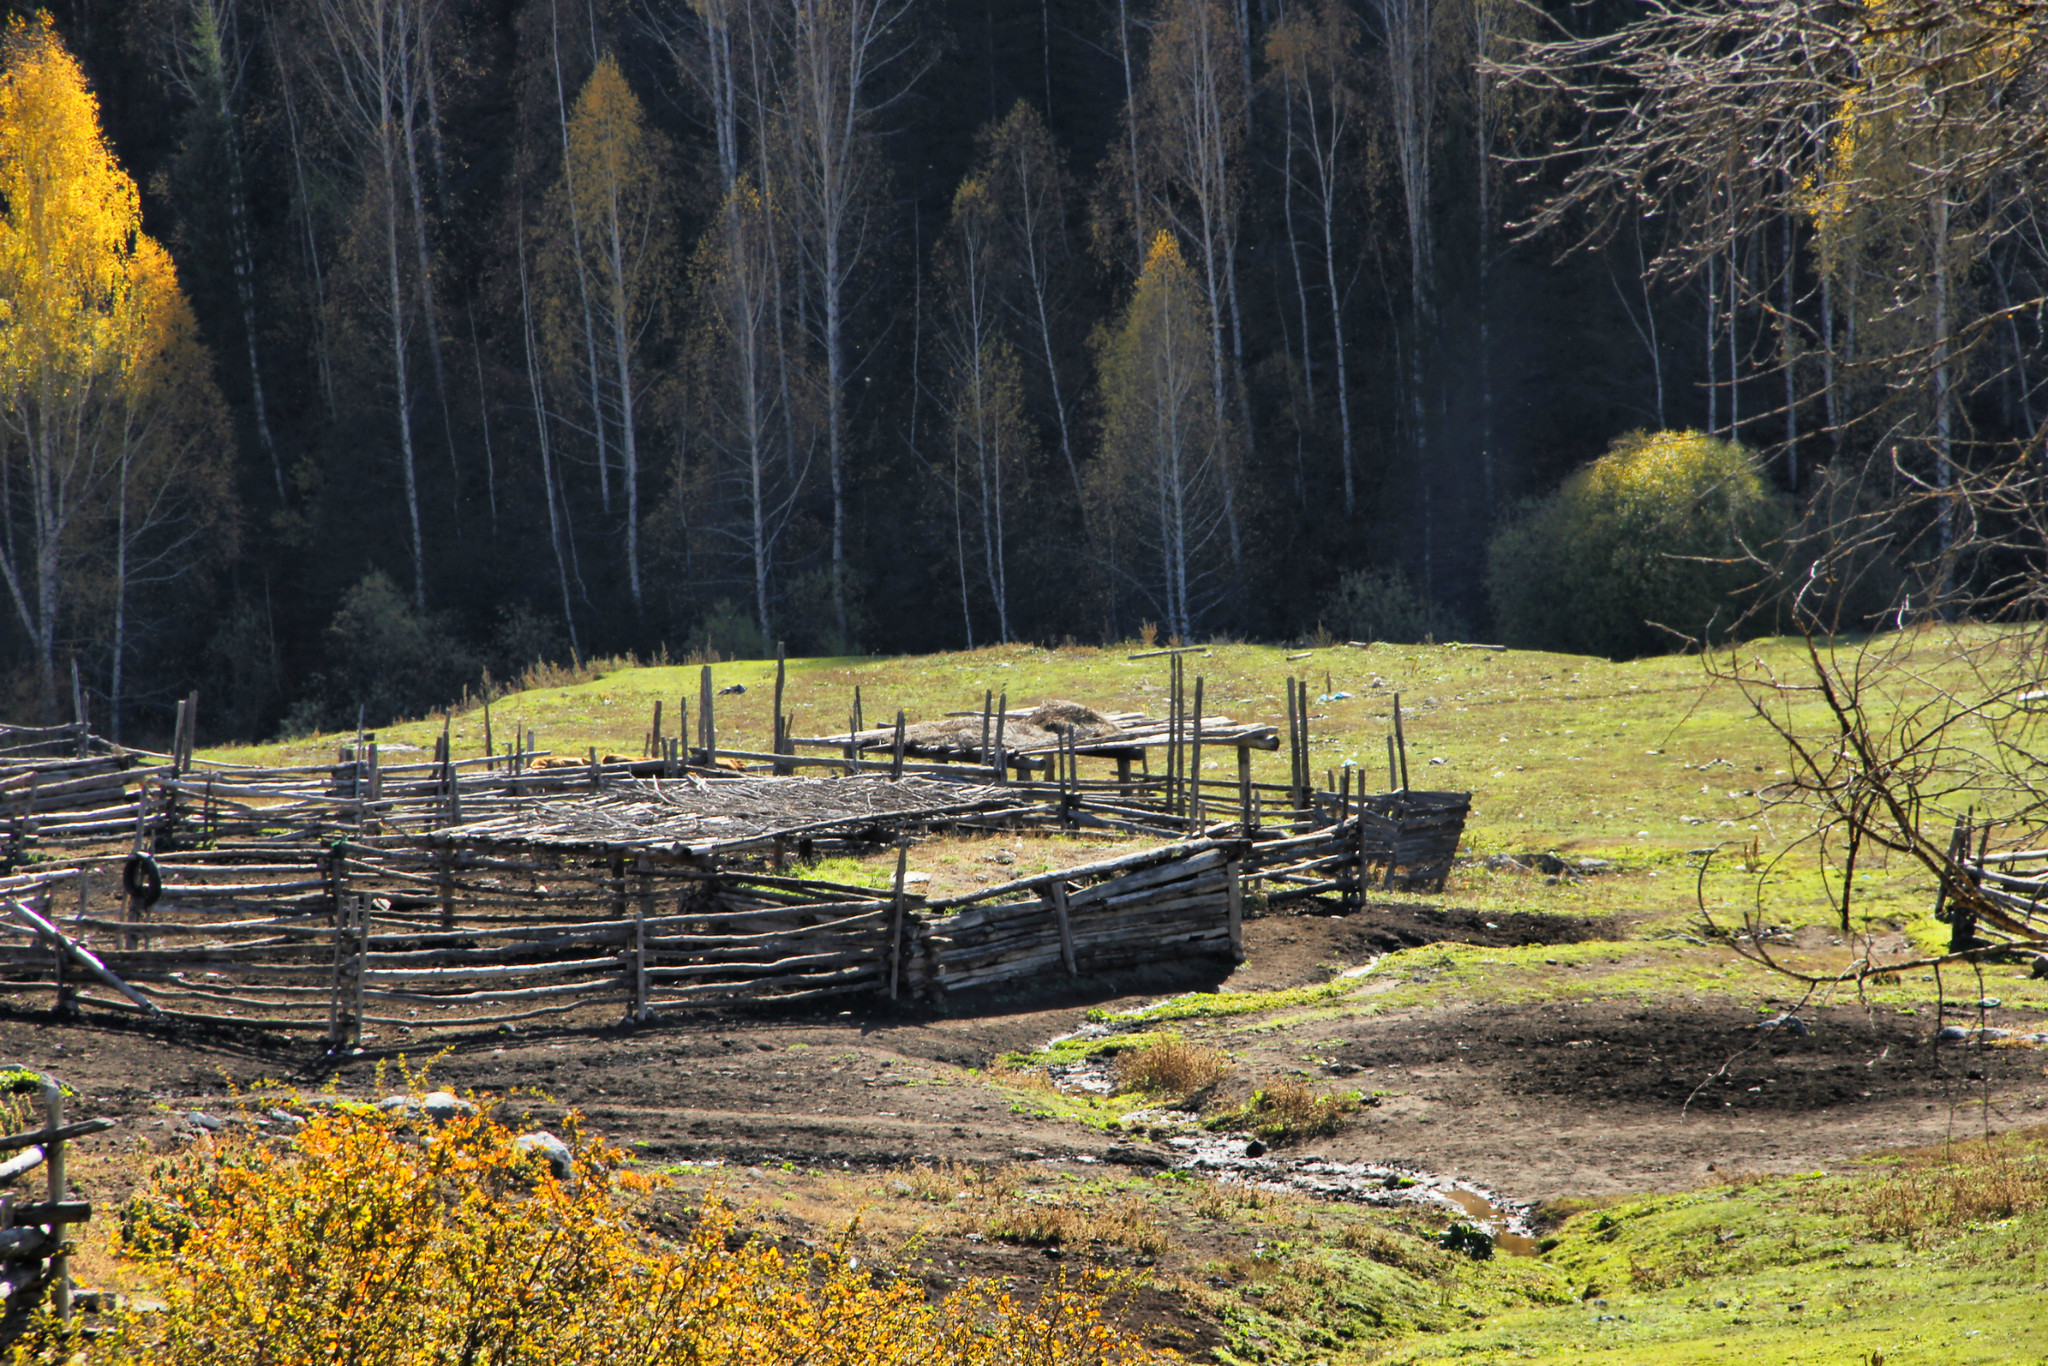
{"x": 1537, "y": 1101}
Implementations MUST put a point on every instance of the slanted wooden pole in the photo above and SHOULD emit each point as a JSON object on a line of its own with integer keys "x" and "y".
{"x": 1195, "y": 762}
{"x": 1056, "y": 892}
{"x": 896, "y": 761}
{"x": 896, "y": 912}
{"x": 1400, "y": 743}
{"x": 1293, "y": 745}
{"x": 490, "y": 747}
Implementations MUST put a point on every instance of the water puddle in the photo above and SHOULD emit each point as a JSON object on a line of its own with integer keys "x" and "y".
{"x": 1235, "y": 1159}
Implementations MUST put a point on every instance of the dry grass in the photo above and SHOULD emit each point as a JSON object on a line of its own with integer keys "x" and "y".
{"x": 1288, "y": 1111}
{"x": 1954, "y": 1187}
{"x": 1046, "y": 1223}
{"x": 1172, "y": 1069}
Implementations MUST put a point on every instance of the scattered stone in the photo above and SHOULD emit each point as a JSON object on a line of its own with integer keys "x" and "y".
{"x": 285, "y": 1119}
{"x": 1341, "y": 1069}
{"x": 1989, "y": 1003}
{"x": 442, "y": 1106}
{"x": 561, "y": 1162}
{"x": 1125, "y": 1156}
{"x": 1791, "y": 1024}
{"x": 210, "y": 1123}
{"x": 508, "y": 1028}
{"x": 1027, "y": 1155}
{"x": 1595, "y": 865}
{"x": 1952, "y": 1034}
{"x": 1255, "y": 1149}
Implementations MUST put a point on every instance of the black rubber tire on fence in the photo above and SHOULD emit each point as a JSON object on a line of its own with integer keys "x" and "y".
{"x": 141, "y": 880}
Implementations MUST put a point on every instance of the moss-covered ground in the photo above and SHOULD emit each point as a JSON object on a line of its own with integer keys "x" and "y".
{"x": 1657, "y": 768}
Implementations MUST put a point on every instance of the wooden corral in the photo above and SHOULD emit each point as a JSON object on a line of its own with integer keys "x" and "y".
{"x": 331, "y": 897}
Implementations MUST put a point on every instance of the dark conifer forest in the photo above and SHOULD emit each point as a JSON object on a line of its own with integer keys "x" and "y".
{"x": 553, "y": 329}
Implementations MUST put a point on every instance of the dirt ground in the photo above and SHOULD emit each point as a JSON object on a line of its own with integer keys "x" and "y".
{"x": 1539, "y": 1101}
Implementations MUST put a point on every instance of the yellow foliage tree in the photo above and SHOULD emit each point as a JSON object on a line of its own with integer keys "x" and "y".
{"x": 615, "y": 235}
{"x": 1162, "y": 480}
{"x": 112, "y": 436}
{"x": 365, "y": 1242}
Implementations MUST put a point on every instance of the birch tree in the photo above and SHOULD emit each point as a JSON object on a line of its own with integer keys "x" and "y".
{"x": 839, "y": 50}
{"x": 1029, "y": 187}
{"x": 208, "y": 63}
{"x": 747, "y": 492}
{"x": 1158, "y": 480}
{"x": 1314, "y": 49}
{"x": 1193, "y": 106}
{"x": 368, "y": 45}
{"x": 617, "y": 181}
{"x": 109, "y": 422}
{"x": 984, "y": 392}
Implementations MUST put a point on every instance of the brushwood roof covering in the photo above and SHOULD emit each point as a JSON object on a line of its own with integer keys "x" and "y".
{"x": 702, "y": 816}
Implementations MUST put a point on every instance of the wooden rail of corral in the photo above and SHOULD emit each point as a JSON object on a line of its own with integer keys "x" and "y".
{"x": 1993, "y": 896}
{"x": 35, "y": 1249}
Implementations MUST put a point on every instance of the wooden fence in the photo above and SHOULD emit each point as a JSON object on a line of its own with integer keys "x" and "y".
{"x": 35, "y": 1261}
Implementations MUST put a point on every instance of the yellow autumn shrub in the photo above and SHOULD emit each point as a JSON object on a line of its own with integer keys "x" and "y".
{"x": 372, "y": 1239}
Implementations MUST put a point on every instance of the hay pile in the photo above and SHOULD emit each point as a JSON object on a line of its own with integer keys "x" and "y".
{"x": 1042, "y": 728}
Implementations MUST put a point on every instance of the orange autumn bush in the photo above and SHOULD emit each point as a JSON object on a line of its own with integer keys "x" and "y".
{"x": 370, "y": 1239}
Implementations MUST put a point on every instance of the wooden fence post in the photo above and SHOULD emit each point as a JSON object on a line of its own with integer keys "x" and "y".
{"x": 896, "y": 909}
{"x": 896, "y": 763}
{"x": 643, "y": 903}
{"x": 1057, "y": 894}
{"x": 53, "y": 1160}
{"x": 1002, "y": 758}
{"x": 1195, "y": 763}
{"x": 362, "y": 955}
{"x": 705, "y": 721}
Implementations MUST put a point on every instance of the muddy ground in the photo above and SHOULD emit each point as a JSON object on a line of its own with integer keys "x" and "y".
{"x": 1539, "y": 1101}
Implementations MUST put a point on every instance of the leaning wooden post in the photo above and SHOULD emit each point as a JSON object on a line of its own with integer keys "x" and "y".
{"x": 1244, "y": 786}
{"x": 896, "y": 911}
{"x": 1195, "y": 763}
{"x": 1056, "y": 893}
{"x": 988, "y": 702}
{"x": 896, "y": 759}
{"x": 490, "y": 747}
{"x": 1400, "y": 743}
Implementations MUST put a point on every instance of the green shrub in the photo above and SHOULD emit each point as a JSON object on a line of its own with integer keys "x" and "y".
{"x": 389, "y": 659}
{"x": 1655, "y": 533}
{"x": 1384, "y": 604}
